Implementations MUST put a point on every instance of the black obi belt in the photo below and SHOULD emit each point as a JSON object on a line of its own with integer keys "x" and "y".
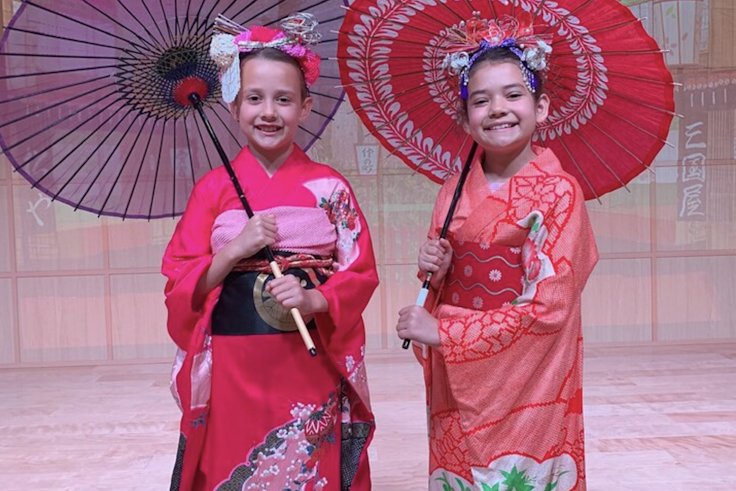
{"x": 246, "y": 308}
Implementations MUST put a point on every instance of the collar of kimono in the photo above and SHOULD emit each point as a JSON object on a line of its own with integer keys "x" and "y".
{"x": 545, "y": 159}
{"x": 297, "y": 156}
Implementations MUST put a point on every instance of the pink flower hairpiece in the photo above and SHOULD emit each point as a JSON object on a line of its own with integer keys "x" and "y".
{"x": 296, "y": 34}
{"x": 470, "y": 39}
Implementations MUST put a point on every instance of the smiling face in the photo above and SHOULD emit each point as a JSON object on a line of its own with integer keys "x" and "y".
{"x": 502, "y": 114}
{"x": 270, "y": 106}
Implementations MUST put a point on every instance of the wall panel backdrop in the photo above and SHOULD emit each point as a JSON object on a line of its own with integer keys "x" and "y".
{"x": 78, "y": 289}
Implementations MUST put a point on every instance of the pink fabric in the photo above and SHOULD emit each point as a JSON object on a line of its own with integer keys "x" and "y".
{"x": 298, "y": 184}
{"x": 300, "y": 229}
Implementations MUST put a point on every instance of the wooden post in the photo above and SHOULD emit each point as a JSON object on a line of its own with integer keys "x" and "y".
{"x": 723, "y": 34}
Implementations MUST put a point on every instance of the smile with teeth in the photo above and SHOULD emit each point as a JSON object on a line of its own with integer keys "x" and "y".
{"x": 503, "y": 126}
{"x": 268, "y": 129}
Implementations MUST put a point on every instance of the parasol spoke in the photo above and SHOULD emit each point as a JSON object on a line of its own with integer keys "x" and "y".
{"x": 72, "y": 57}
{"x": 328, "y": 96}
{"x": 399, "y": 94}
{"x": 580, "y": 171}
{"x": 122, "y": 169}
{"x": 140, "y": 168}
{"x": 352, "y": 8}
{"x": 155, "y": 24}
{"x": 53, "y": 89}
{"x": 393, "y": 40}
{"x": 63, "y": 38}
{"x": 331, "y": 20}
{"x": 57, "y": 122}
{"x": 302, "y": 9}
{"x": 225, "y": 125}
{"x": 408, "y": 141}
{"x": 493, "y": 9}
{"x": 166, "y": 22}
{"x": 459, "y": 154}
{"x": 158, "y": 166}
{"x": 448, "y": 9}
{"x": 559, "y": 74}
{"x": 56, "y": 72}
{"x": 123, "y": 26}
{"x": 537, "y": 11}
{"x": 605, "y": 164}
{"x": 325, "y": 116}
{"x": 621, "y": 95}
{"x": 57, "y": 104}
{"x": 636, "y": 126}
{"x": 77, "y": 147}
{"x": 137, "y": 20}
{"x": 88, "y": 26}
{"x": 437, "y": 144}
{"x": 186, "y": 25}
{"x": 204, "y": 144}
{"x": 571, "y": 13}
{"x": 394, "y": 77}
{"x": 309, "y": 132}
{"x": 107, "y": 160}
{"x": 386, "y": 57}
{"x": 408, "y": 110}
{"x": 571, "y": 54}
{"x": 255, "y": 16}
{"x": 189, "y": 149}
{"x": 614, "y": 27}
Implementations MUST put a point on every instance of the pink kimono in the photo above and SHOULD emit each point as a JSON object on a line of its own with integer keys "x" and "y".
{"x": 258, "y": 411}
{"x": 504, "y": 388}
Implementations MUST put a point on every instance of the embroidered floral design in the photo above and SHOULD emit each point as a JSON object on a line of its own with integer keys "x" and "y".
{"x": 495, "y": 275}
{"x": 532, "y": 264}
{"x": 468, "y": 271}
{"x": 512, "y": 473}
{"x": 537, "y": 265}
{"x": 340, "y": 212}
{"x": 356, "y": 370}
{"x": 289, "y": 457}
{"x": 477, "y": 303}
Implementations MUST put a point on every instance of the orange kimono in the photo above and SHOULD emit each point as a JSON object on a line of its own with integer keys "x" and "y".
{"x": 504, "y": 388}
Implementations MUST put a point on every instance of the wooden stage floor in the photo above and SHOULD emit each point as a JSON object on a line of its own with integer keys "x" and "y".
{"x": 659, "y": 418}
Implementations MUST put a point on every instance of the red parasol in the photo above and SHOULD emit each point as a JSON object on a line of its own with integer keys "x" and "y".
{"x": 611, "y": 93}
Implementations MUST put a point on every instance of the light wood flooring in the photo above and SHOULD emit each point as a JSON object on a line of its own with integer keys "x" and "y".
{"x": 658, "y": 418}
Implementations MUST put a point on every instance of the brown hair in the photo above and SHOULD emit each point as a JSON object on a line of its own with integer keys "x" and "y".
{"x": 274, "y": 54}
{"x": 495, "y": 56}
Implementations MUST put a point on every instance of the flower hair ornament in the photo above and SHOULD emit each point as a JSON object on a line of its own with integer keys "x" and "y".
{"x": 297, "y": 33}
{"x": 470, "y": 39}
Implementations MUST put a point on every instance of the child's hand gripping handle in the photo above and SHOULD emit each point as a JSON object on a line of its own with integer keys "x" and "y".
{"x": 300, "y": 325}
{"x": 422, "y": 297}
{"x": 421, "y": 300}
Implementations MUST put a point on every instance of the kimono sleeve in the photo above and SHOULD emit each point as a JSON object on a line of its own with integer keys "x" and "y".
{"x": 439, "y": 213}
{"x": 558, "y": 256}
{"x": 186, "y": 260}
{"x": 350, "y": 288}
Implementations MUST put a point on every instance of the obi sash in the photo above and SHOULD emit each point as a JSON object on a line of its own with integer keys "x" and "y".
{"x": 246, "y": 308}
{"x": 483, "y": 276}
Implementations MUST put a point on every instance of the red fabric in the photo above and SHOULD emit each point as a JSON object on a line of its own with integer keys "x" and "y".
{"x": 482, "y": 276}
{"x": 504, "y": 388}
{"x": 298, "y": 182}
{"x": 612, "y": 96}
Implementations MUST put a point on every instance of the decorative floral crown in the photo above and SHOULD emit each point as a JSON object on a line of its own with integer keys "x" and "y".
{"x": 470, "y": 39}
{"x": 230, "y": 39}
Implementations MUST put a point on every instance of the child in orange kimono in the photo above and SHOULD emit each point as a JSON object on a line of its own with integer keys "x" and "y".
{"x": 502, "y": 347}
{"x": 258, "y": 411}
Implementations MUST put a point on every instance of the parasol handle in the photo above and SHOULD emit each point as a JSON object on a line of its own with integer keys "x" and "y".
{"x": 196, "y": 101}
{"x": 424, "y": 292}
